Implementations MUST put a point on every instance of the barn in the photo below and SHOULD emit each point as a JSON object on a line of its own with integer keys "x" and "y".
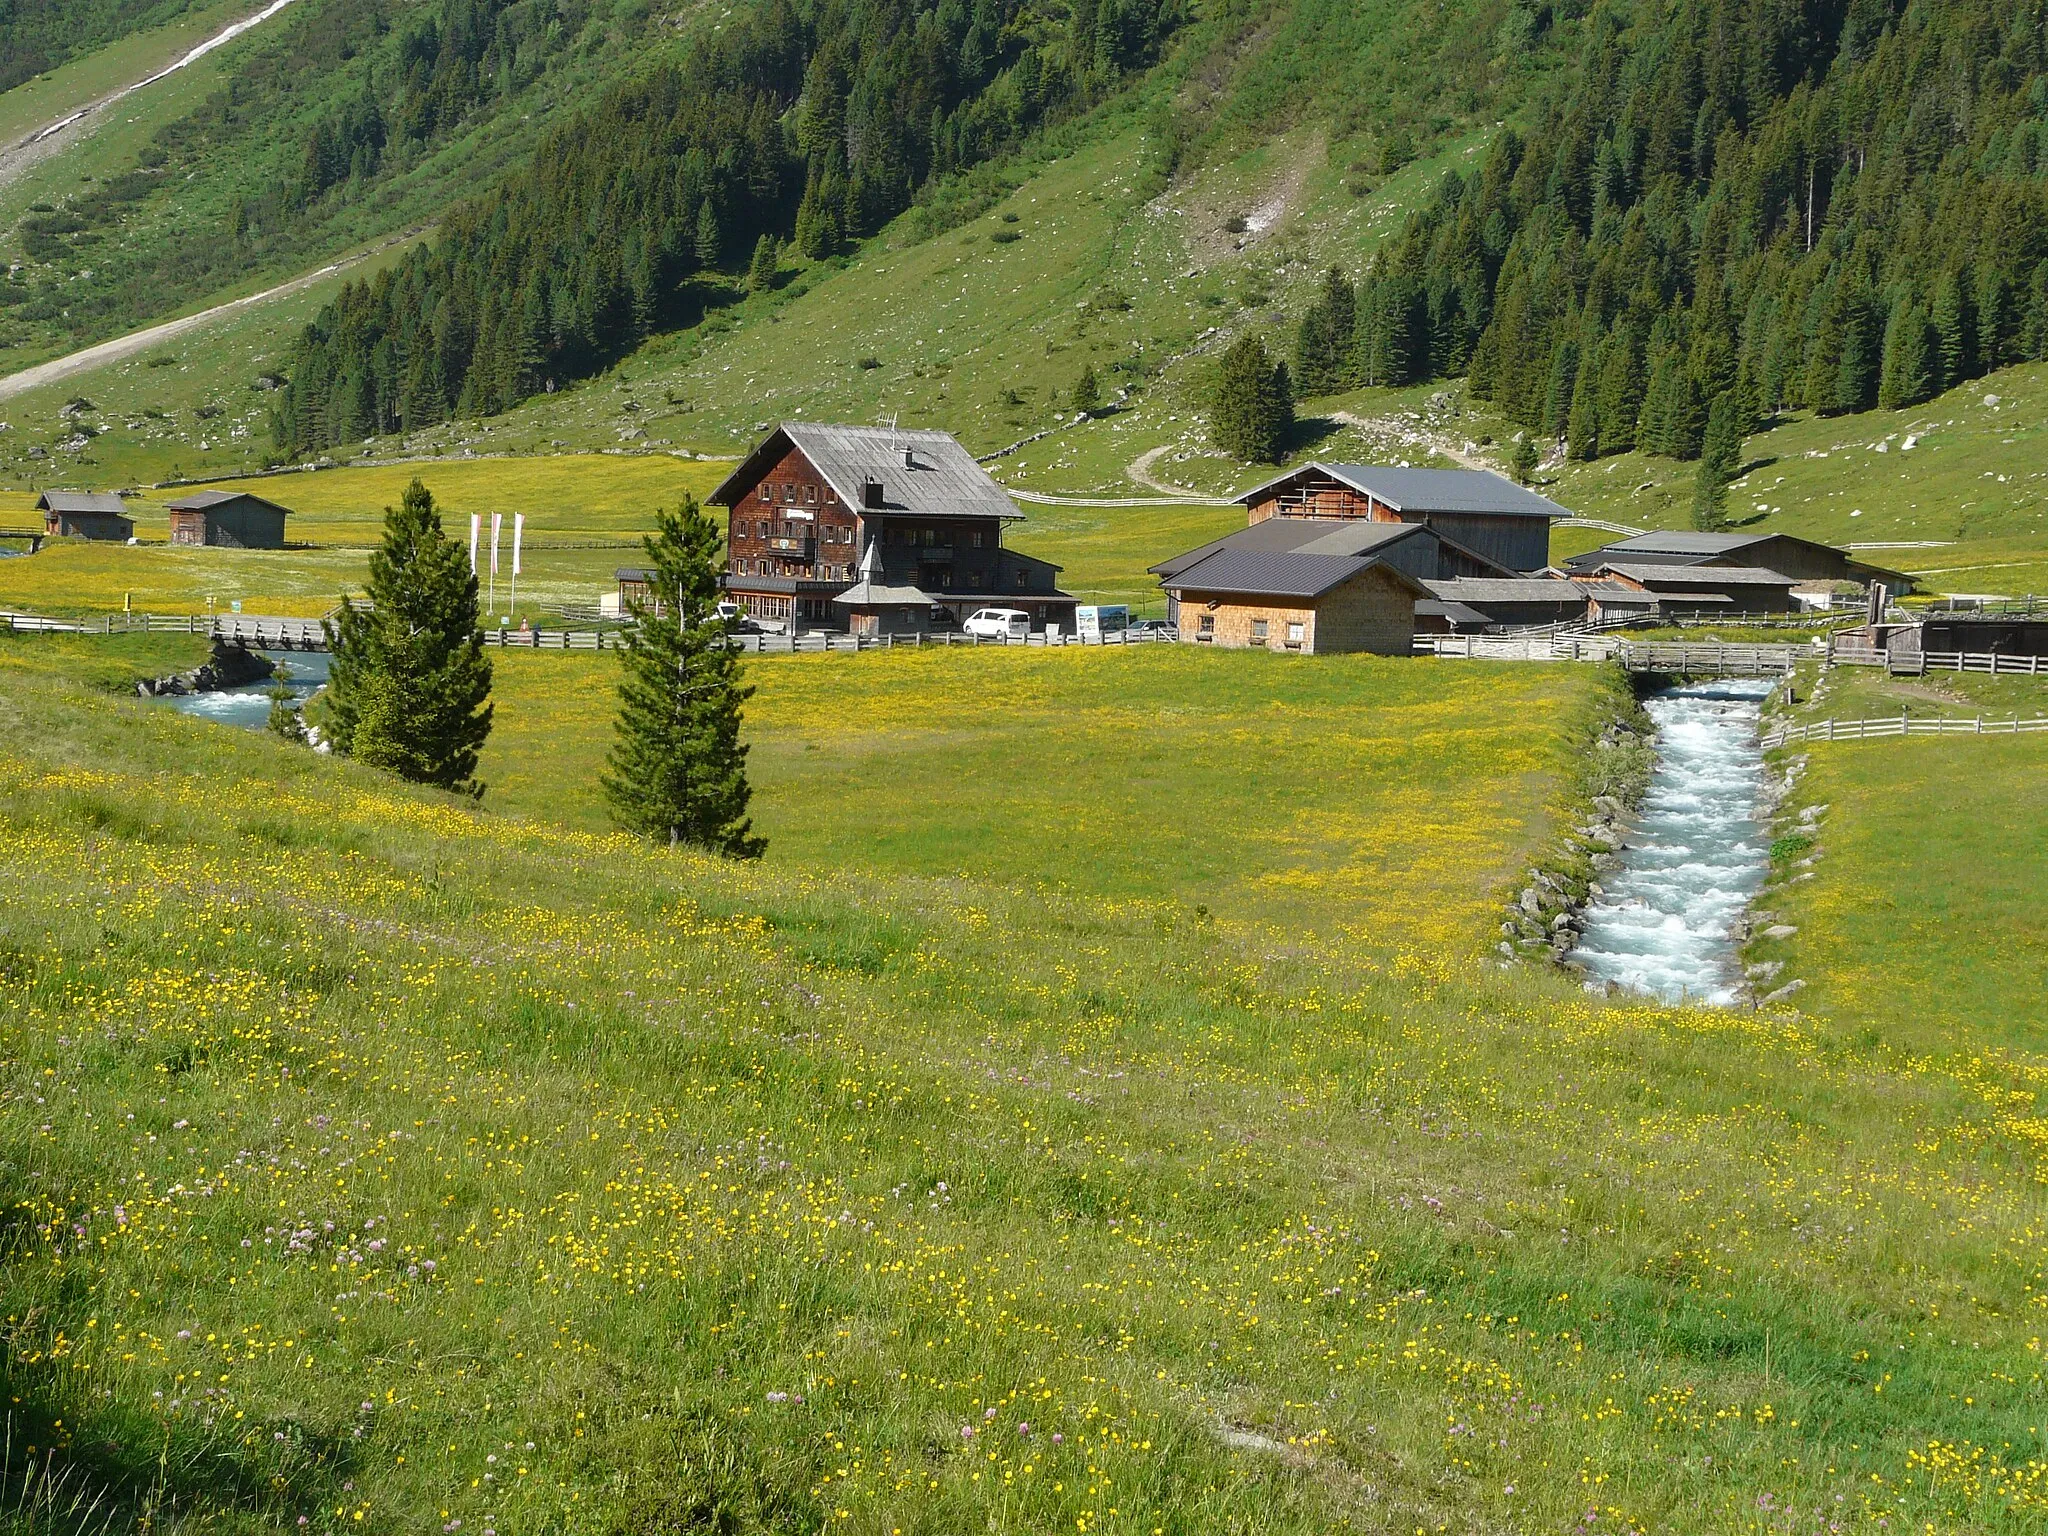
{"x": 1493, "y": 518}
{"x": 1291, "y": 600}
{"x": 227, "y": 520}
{"x": 85, "y": 515}
{"x": 1808, "y": 563}
{"x": 1681, "y": 589}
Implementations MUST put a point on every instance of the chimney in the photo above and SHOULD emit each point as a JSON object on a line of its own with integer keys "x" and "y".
{"x": 909, "y": 459}
{"x": 871, "y": 493}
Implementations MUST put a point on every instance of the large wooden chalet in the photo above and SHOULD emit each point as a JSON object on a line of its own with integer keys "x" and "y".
{"x": 825, "y": 513}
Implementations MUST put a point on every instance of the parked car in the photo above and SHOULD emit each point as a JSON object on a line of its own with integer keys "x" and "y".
{"x": 998, "y": 624}
{"x": 738, "y": 620}
{"x": 1153, "y": 629}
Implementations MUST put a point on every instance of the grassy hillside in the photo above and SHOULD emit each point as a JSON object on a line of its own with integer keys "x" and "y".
{"x": 415, "y": 1163}
{"x": 207, "y": 184}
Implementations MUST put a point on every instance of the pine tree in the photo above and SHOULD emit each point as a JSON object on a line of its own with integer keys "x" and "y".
{"x": 678, "y": 769}
{"x": 709, "y": 241}
{"x": 1251, "y": 410}
{"x": 1720, "y": 461}
{"x": 408, "y": 685}
{"x": 761, "y": 270}
{"x": 1087, "y": 393}
{"x": 1955, "y": 330}
{"x": 1908, "y": 373}
{"x": 1523, "y": 459}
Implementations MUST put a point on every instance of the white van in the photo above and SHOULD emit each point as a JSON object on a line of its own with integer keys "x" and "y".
{"x": 998, "y": 624}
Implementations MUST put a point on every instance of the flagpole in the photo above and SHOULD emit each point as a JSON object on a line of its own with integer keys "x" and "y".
{"x": 518, "y": 535}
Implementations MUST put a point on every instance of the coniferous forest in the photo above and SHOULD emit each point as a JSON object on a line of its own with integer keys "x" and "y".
{"x": 814, "y": 121}
{"x": 1791, "y": 203}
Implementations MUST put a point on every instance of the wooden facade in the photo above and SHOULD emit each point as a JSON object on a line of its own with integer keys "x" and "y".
{"x": 227, "y": 520}
{"x": 96, "y": 515}
{"x": 1509, "y": 528}
{"x": 799, "y": 530}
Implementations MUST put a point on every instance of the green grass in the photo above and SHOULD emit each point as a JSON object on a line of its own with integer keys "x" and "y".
{"x": 1379, "y": 797}
{"x": 567, "y": 500}
{"x": 48, "y": 97}
{"x": 779, "y": 1197}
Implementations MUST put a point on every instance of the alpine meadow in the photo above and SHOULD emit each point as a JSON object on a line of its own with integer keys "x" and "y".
{"x": 905, "y": 767}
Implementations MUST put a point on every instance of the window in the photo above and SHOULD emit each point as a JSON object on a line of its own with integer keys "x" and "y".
{"x": 1294, "y": 632}
{"x": 831, "y": 497}
{"x": 1205, "y": 627}
{"x": 977, "y": 538}
{"x": 767, "y": 491}
{"x": 810, "y": 493}
{"x": 931, "y": 537}
{"x": 1023, "y": 579}
{"x": 761, "y": 530}
{"x": 1259, "y": 631}
{"x": 789, "y": 494}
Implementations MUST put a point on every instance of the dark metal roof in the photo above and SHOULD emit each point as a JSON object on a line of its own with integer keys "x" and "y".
{"x": 922, "y": 473}
{"x": 1483, "y": 589}
{"x": 1698, "y": 575}
{"x": 1427, "y": 490}
{"x": 1456, "y": 613}
{"x": 1281, "y": 573}
{"x": 1300, "y": 535}
{"x": 201, "y": 501}
{"x": 103, "y": 502}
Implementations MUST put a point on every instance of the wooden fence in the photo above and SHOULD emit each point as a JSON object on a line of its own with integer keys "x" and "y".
{"x": 1917, "y": 663}
{"x": 1896, "y": 725}
{"x": 1711, "y": 658}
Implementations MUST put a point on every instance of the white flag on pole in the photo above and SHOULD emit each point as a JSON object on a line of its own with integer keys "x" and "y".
{"x": 476, "y": 522}
{"x": 497, "y": 522}
{"x": 518, "y": 533}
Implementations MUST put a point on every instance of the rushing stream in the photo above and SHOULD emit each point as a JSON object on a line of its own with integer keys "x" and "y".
{"x": 249, "y": 706}
{"x": 1696, "y": 854}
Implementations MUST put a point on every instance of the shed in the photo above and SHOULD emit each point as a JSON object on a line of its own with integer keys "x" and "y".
{"x": 227, "y": 520}
{"x": 1514, "y": 600}
{"x": 1287, "y": 600}
{"x": 86, "y": 515}
{"x": 1737, "y": 588}
{"x": 1804, "y": 560}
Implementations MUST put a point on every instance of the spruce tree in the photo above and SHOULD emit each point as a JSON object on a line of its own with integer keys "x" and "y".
{"x": 1087, "y": 393}
{"x": 1523, "y": 459}
{"x": 1720, "y": 461}
{"x": 1908, "y": 373}
{"x": 678, "y": 769}
{"x": 1251, "y": 409}
{"x": 1955, "y": 328}
{"x": 761, "y": 270}
{"x": 409, "y": 685}
{"x": 710, "y": 242}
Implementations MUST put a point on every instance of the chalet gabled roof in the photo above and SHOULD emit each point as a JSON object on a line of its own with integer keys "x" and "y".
{"x": 1697, "y": 575}
{"x": 1528, "y": 589}
{"x": 922, "y": 473}
{"x": 1282, "y": 573}
{"x": 201, "y": 501}
{"x": 105, "y": 503}
{"x": 1425, "y": 490}
{"x": 1299, "y": 535}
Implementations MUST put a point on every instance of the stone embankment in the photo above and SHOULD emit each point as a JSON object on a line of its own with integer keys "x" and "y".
{"x": 232, "y": 665}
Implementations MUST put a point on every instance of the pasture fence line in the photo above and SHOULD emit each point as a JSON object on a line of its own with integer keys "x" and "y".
{"x": 1895, "y": 725}
{"x": 1711, "y": 657}
{"x": 1918, "y": 663}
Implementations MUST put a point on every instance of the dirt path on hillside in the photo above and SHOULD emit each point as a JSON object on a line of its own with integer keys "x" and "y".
{"x": 16, "y": 158}
{"x": 122, "y": 348}
{"x": 1140, "y": 470}
{"x": 1409, "y": 431}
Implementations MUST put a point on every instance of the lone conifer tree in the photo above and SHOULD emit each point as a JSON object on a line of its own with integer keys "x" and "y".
{"x": 761, "y": 270}
{"x": 1087, "y": 397}
{"x": 1251, "y": 414}
{"x": 1720, "y": 458}
{"x": 678, "y": 770}
{"x": 409, "y": 685}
